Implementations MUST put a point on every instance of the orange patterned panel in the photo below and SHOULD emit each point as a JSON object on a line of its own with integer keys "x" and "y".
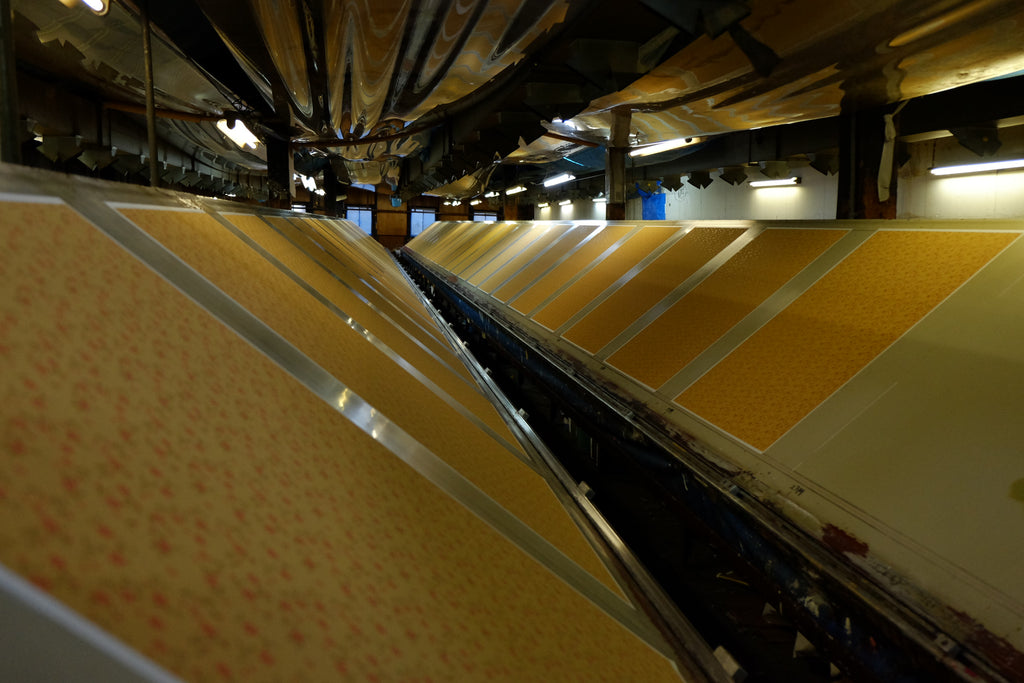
{"x": 494, "y": 251}
{"x": 838, "y": 326}
{"x": 603, "y": 275}
{"x": 572, "y": 266}
{"x": 650, "y": 286}
{"x": 457, "y": 243}
{"x": 270, "y": 295}
{"x": 549, "y": 234}
{"x": 347, "y": 262}
{"x": 537, "y": 266}
{"x": 488, "y": 239}
{"x": 318, "y": 278}
{"x": 507, "y": 253}
{"x": 739, "y": 286}
{"x": 170, "y": 483}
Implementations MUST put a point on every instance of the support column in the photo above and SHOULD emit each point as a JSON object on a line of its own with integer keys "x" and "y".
{"x": 330, "y": 190}
{"x": 615, "y": 165}
{"x": 861, "y": 146}
{"x": 10, "y": 122}
{"x": 279, "y": 152}
{"x": 147, "y": 54}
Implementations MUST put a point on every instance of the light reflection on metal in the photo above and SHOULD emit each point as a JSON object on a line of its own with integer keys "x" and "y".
{"x": 238, "y": 133}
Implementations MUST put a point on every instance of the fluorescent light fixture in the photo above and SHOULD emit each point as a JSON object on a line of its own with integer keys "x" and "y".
{"x": 600, "y": 200}
{"x": 491, "y": 194}
{"x": 475, "y": 202}
{"x": 515, "y": 190}
{"x": 543, "y": 205}
{"x": 559, "y": 179}
{"x": 565, "y": 202}
{"x": 456, "y": 202}
{"x": 781, "y": 182}
{"x": 659, "y": 147}
{"x": 97, "y": 6}
{"x": 978, "y": 168}
{"x": 239, "y": 134}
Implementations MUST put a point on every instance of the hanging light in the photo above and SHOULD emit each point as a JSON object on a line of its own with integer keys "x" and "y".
{"x": 491, "y": 194}
{"x": 475, "y": 202}
{"x": 781, "y": 182}
{"x": 666, "y": 146}
{"x": 565, "y": 202}
{"x": 983, "y": 167}
{"x": 543, "y": 205}
{"x": 515, "y": 190}
{"x": 559, "y": 179}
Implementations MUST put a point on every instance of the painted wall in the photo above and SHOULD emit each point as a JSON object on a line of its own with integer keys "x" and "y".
{"x": 579, "y": 210}
{"x": 989, "y": 195}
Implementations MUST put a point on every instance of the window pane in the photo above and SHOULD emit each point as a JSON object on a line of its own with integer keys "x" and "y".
{"x": 485, "y": 216}
{"x": 361, "y": 216}
{"x": 420, "y": 219}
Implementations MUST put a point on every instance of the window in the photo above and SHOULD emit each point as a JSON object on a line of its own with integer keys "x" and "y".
{"x": 485, "y": 216}
{"x": 361, "y": 216}
{"x": 420, "y": 220}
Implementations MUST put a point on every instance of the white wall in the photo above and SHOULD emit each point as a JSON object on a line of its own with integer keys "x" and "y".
{"x": 813, "y": 198}
{"x": 989, "y": 195}
{"x": 919, "y": 194}
{"x": 579, "y": 210}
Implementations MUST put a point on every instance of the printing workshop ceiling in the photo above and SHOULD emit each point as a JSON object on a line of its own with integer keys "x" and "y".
{"x": 429, "y": 95}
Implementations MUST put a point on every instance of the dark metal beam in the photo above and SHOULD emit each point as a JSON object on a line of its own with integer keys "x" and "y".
{"x": 10, "y": 143}
{"x": 147, "y": 55}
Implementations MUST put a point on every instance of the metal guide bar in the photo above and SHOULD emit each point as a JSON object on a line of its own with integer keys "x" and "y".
{"x": 626, "y": 277}
{"x": 692, "y": 653}
{"x": 792, "y": 542}
{"x": 583, "y": 271}
{"x": 565, "y": 235}
{"x": 564, "y": 257}
{"x": 760, "y": 316}
{"x": 681, "y": 290}
{"x": 354, "y": 408}
{"x": 374, "y": 341}
{"x": 347, "y": 247}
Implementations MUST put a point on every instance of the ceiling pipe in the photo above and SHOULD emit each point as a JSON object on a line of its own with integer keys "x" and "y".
{"x": 162, "y": 113}
{"x": 147, "y": 54}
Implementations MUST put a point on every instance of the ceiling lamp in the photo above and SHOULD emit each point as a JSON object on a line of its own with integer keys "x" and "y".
{"x": 491, "y": 194}
{"x": 781, "y": 182}
{"x": 666, "y": 146}
{"x": 543, "y": 205}
{"x": 565, "y": 202}
{"x": 699, "y": 179}
{"x": 238, "y": 133}
{"x": 600, "y": 200}
{"x": 734, "y": 175}
{"x": 475, "y": 202}
{"x": 97, "y": 6}
{"x": 515, "y": 190}
{"x": 978, "y": 168}
{"x": 559, "y": 179}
